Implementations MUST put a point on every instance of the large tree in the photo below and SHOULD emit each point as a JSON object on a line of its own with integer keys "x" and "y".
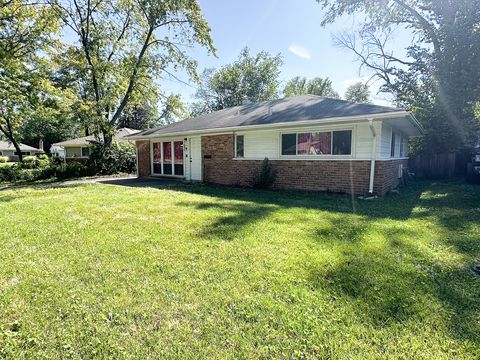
{"x": 358, "y": 93}
{"x": 439, "y": 78}
{"x": 26, "y": 36}
{"x": 316, "y": 86}
{"x": 123, "y": 44}
{"x": 173, "y": 109}
{"x": 251, "y": 78}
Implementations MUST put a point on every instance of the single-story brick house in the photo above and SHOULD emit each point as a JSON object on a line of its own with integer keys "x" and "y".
{"x": 7, "y": 149}
{"x": 315, "y": 143}
{"x": 78, "y": 149}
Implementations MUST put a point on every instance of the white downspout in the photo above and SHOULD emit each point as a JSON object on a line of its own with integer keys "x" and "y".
{"x": 374, "y": 153}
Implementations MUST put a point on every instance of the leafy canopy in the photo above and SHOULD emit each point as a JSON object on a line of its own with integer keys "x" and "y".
{"x": 358, "y": 93}
{"x": 27, "y": 34}
{"x": 252, "y": 77}
{"x": 122, "y": 46}
{"x": 440, "y": 77}
{"x": 316, "y": 86}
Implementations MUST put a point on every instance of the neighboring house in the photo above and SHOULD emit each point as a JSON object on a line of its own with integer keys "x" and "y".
{"x": 78, "y": 149}
{"x": 7, "y": 149}
{"x": 315, "y": 143}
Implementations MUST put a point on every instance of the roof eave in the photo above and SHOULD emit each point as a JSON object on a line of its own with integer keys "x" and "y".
{"x": 417, "y": 124}
{"x": 357, "y": 118}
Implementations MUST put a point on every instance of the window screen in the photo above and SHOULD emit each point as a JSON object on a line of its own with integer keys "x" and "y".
{"x": 289, "y": 144}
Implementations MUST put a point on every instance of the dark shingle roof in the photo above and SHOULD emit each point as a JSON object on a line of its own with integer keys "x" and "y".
{"x": 286, "y": 110}
{"x": 120, "y": 135}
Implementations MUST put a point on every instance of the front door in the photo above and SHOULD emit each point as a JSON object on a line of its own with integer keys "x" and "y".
{"x": 196, "y": 158}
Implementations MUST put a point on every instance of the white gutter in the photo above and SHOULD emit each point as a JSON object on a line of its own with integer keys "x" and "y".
{"x": 274, "y": 125}
{"x": 374, "y": 152}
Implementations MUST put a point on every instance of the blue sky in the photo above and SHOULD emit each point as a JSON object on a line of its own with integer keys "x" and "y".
{"x": 291, "y": 28}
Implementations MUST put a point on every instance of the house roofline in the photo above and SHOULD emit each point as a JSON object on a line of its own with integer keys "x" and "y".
{"x": 416, "y": 123}
{"x": 342, "y": 119}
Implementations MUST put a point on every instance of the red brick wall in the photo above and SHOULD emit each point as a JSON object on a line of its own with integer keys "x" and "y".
{"x": 386, "y": 175}
{"x": 332, "y": 175}
{"x": 143, "y": 158}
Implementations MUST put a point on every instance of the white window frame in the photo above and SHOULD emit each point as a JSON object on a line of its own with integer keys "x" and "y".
{"x": 319, "y": 156}
{"x": 236, "y": 154}
{"x": 81, "y": 152}
{"x": 392, "y": 137}
{"x": 171, "y": 141}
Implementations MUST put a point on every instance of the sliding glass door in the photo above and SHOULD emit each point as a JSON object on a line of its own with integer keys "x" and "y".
{"x": 178, "y": 157}
{"x": 168, "y": 158}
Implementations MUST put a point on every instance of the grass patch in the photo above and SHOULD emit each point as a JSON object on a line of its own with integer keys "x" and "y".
{"x": 193, "y": 271}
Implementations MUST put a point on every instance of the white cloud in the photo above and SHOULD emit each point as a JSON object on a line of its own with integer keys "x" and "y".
{"x": 300, "y": 51}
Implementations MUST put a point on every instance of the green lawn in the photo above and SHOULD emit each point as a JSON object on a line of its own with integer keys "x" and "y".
{"x": 190, "y": 271}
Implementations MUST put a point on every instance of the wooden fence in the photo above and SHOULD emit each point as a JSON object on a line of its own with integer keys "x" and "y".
{"x": 438, "y": 166}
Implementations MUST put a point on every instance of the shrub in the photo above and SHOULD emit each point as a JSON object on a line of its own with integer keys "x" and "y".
{"x": 119, "y": 158}
{"x": 264, "y": 177}
{"x": 3, "y": 159}
{"x": 16, "y": 173}
{"x": 70, "y": 170}
{"x": 29, "y": 162}
{"x": 30, "y": 159}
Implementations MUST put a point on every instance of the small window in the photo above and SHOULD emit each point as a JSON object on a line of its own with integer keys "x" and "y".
{"x": 289, "y": 143}
{"x": 392, "y": 146}
{"x": 342, "y": 142}
{"x": 85, "y": 152}
{"x": 239, "y": 146}
{"x": 24, "y": 153}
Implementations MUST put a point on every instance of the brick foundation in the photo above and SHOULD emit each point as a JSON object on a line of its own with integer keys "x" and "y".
{"x": 143, "y": 158}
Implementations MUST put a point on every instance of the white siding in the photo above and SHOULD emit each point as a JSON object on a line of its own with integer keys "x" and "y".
{"x": 387, "y": 142}
{"x": 364, "y": 138}
{"x": 7, "y": 152}
{"x": 259, "y": 144}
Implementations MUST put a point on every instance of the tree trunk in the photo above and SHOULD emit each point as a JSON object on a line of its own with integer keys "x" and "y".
{"x": 107, "y": 139}
{"x": 9, "y": 134}
{"x": 17, "y": 147}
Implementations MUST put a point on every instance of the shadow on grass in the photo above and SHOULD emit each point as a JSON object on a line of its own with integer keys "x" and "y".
{"x": 395, "y": 277}
{"x": 232, "y": 218}
{"x": 388, "y": 283}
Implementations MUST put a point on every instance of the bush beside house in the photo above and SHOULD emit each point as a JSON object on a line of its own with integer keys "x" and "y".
{"x": 119, "y": 159}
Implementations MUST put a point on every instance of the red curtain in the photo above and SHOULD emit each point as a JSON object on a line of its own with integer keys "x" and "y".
{"x": 178, "y": 152}
{"x": 167, "y": 152}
